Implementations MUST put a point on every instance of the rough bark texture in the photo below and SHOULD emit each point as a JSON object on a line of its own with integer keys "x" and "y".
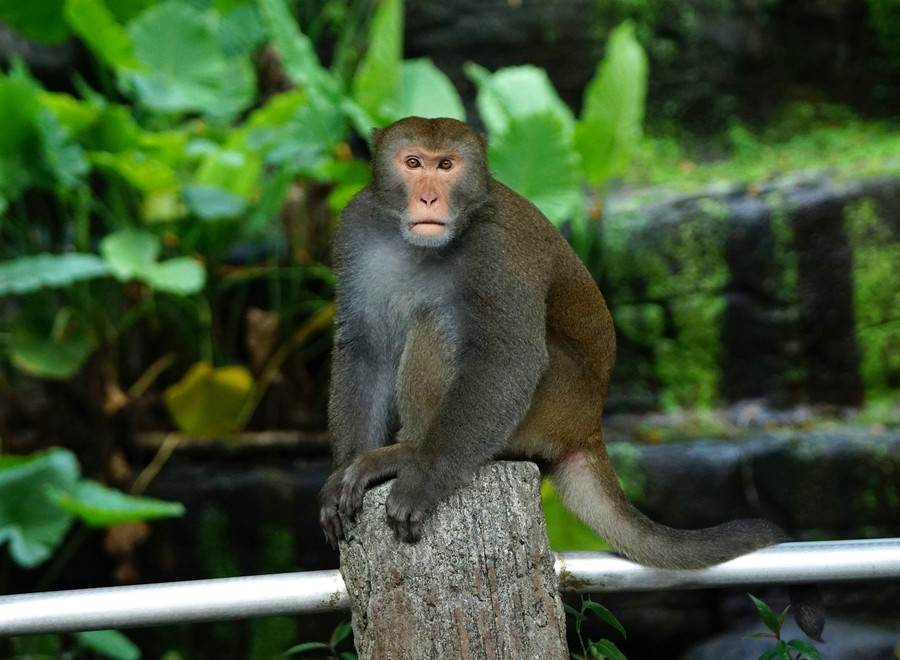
{"x": 480, "y": 583}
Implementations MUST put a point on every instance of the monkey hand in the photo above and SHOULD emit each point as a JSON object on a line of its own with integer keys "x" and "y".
{"x": 329, "y": 499}
{"x": 372, "y": 467}
{"x": 412, "y": 498}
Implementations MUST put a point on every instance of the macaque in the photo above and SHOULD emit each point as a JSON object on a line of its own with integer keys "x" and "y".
{"x": 466, "y": 327}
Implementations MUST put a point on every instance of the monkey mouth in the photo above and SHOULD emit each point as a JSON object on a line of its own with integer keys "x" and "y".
{"x": 427, "y": 227}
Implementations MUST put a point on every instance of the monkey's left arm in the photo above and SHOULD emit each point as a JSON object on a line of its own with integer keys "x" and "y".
{"x": 502, "y": 360}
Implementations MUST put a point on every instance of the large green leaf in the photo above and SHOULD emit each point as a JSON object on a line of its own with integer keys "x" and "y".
{"x": 186, "y": 68}
{"x": 110, "y": 644}
{"x": 99, "y": 506}
{"x": 41, "y": 20}
{"x": 182, "y": 276}
{"x": 27, "y": 274}
{"x": 57, "y": 358}
{"x": 29, "y": 521}
{"x": 297, "y": 52}
{"x": 426, "y": 92}
{"x": 63, "y": 160}
{"x": 130, "y": 252}
{"x": 19, "y": 109}
{"x": 213, "y": 202}
{"x": 610, "y": 124}
{"x": 534, "y": 156}
{"x": 516, "y": 92}
{"x": 210, "y": 402}
{"x": 378, "y": 79}
{"x": 241, "y": 30}
{"x": 145, "y": 173}
{"x": 96, "y": 26}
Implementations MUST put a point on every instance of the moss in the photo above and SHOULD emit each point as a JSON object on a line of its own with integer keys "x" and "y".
{"x": 876, "y": 298}
{"x": 665, "y": 281}
{"x": 806, "y": 138}
{"x": 626, "y": 459}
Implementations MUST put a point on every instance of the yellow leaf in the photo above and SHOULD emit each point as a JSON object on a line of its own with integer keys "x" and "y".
{"x": 208, "y": 401}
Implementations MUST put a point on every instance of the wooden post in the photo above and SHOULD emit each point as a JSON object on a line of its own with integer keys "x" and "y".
{"x": 480, "y": 583}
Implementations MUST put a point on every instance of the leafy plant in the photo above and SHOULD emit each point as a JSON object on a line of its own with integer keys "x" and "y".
{"x": 343, "y": 632}
{"x": 603, "y": 649}
{"x": 42, "y": 495}
{"x": 795, "y": 649}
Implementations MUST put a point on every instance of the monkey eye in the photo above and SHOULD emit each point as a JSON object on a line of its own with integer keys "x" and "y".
{"x": 445, "y": 164}
{"x": 413, "y": 162}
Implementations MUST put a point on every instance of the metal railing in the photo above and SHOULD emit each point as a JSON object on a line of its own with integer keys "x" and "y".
{"x": 319, "y": 591}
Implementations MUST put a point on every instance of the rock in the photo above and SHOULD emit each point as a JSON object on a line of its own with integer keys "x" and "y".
{"x": 783, "y": 293}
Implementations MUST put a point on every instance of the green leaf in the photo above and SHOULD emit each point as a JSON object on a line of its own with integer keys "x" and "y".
{"x": 610, "y": 125}
{"x": 182, "y": 276}
{"x": 307, "y": 646}
{"x": 241, "y": 30}
{"x": 378, "y": 79}
{"x": 19, "y": 140}
{"x": 209, "y": 402}
{"x": 341, "y": 633}
{"x": 96, "y": 26}
{"x": 575, "y": 614}
{"x": 297, "y": 52}
{"x": 804, "y": 647}
{"x": 535, "y": 157}
{"x": 63, "y": 160}
{"x": 426, "y": 92}
{"x": 185, "y": 67}
{"x": 72, "y": 113}
{"x": 132, "y": 254}
{"x": 147, "y": 174}
{"x": 348, "y": 655}
{"x": 213, "y": 202}
{"x": 44, "y": 271}
{"x": 605, "y": 615}
{"x": 99, "y": 506}
{"x": 516, "y": 93}
{"x": 109, "y": 643}
{"x": 41, "y": 20}
{"x": 767, "y": 615}
{"x": 606, "y": 649}
{"x": 780, "y": 652}
{"x": 29, "y": 520}
{"x": 129, "y": 253}
{"x": 125, "y": 10}
{"x": 56, "y": 358}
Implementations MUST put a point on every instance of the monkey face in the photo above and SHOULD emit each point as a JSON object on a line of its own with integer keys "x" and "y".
{"x": 430, "y": 174}
{"x": 428, "y": 177}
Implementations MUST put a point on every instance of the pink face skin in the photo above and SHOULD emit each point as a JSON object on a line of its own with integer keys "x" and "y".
{"x": 429, "y": 177}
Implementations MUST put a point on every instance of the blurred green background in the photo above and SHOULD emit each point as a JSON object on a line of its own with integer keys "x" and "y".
{"x": 171, "y": 174}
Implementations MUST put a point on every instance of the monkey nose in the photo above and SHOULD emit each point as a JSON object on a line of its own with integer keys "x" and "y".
{"x": 429, "y": 199}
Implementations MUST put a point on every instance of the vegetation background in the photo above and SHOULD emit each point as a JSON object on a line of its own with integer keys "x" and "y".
{"x": 171, "y": 172}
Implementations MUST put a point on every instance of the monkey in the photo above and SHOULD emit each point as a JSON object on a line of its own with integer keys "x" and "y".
{"x": 466, "y": 328}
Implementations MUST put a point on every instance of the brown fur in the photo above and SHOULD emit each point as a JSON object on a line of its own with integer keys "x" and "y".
{"x": 490, "y": 338}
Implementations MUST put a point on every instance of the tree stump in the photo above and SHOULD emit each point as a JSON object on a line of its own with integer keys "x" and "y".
{"x": 479, "y": 584}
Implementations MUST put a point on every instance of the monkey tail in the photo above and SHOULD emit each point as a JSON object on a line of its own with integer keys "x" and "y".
{"x": 588, "y": 486}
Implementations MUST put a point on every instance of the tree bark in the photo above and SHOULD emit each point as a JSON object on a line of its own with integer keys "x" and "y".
{"x": 480, "y": 583}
